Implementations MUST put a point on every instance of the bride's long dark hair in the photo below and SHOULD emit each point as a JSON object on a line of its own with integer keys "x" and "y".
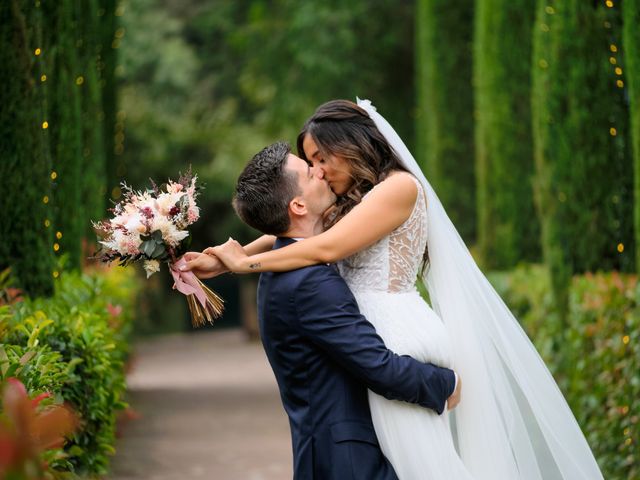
{"x": 343, "y": 129}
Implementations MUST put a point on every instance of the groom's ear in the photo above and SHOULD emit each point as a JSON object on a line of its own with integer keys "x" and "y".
{"x": 297, "y": 206}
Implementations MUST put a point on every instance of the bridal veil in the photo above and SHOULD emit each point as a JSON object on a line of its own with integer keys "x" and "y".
{"x": 513, "y": 422}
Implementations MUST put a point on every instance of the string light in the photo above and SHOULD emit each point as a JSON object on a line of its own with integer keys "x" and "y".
{"x": 80, "y": 80}
{"x": 47, "y": 223}
{"x": 618, "y": 71}
{"x": 38, "y": 51}
{"x": 54, "y": 175}
{"x": 58, "y": 235}
{"x": 56, "y": 274}
{"x": 613, "y": 48}
{"x": 609, "y": 3}
{"x": 613, "y": 131}
{"x": 45, "y": 125}
{"x": 45, "y": 199}
{"x": 56, "y": 247}
{"x": 626, "y": 339}
{"x": 613, "y": 60}
{"x": 619, "y": 83}
{"x": 43, "y": 78}
{"x": 620, "y": 247}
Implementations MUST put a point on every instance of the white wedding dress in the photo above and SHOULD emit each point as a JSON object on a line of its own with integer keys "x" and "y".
{"x": 418, "y": 442}
{"x": 513, "y": 422}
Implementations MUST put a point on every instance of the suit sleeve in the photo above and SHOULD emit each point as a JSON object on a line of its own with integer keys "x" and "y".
{"x": 328, "y": 315}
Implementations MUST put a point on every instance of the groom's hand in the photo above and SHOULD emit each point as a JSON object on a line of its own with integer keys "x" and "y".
{"x": 454, "y": 399}
{"x": 203, "y": 265}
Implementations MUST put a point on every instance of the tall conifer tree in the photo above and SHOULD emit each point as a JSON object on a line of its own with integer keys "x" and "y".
{"x": 444, "y": 123}
{"x": 508, "y": 231}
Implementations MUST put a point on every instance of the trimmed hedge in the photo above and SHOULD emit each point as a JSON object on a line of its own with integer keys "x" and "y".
{"x": 508, "y": 229}
{"x": 24, "y": 155}
{"x": 74, "y": 345}
{"x": 56, "y": 129}
{"x": 584, "y": 169}
{"x": 631, "y": 45}
{"x": 599, "y": 370}
{"x": 444, "y": 115}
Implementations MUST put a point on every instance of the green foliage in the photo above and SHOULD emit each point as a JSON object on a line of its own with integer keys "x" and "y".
{"x": 508, "y": 230}
{"x": 444, "y": 114}
{"x": 25, "y": 241}
{"x": 631, "y": 46}
{"x": 75, "y": 345}
{"x": 65, "y": 125}
{"x": 210, "y": 84}
{"x": 93, "y": 187}
{"x": 600, "y": 346}
{"x": 583, "y": 179}
{"x": 53, "y": 146}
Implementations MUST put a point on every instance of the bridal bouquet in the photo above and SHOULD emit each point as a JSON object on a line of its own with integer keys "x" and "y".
{"x": 151, "y": 226}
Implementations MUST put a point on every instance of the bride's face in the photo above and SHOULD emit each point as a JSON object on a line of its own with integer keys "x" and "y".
{"x": 334, "y": 169}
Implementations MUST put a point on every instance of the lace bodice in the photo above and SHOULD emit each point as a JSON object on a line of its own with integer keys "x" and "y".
{"x": 392, "y": 263}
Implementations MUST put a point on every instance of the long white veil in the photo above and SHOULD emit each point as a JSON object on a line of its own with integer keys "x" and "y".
{"x": 513, "y": 422}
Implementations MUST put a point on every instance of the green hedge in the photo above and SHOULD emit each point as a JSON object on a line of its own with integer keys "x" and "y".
{"x": 56, "y": 131}
{"x": 24, "y": 155}
{"x": 74, "y": 345}
{"x": 600, "y": 345}
{"x": 631, "y": 45}
{"x": 444, "y": 115}
{"x": 508, "y": 229}
{"x": 580, "y": 116}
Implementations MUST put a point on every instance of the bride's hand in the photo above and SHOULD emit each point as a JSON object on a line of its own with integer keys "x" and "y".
{"x": 231, "y": 254}
{"x": 203, "y": 266}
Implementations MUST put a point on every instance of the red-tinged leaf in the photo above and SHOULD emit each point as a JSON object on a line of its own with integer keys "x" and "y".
{"x": 52, "y": 425}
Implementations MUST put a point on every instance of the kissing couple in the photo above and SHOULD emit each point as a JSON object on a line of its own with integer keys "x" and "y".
{"x": 364, "y": 365}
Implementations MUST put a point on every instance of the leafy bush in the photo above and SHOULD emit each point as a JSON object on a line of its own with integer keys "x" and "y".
{"x": 595, "y": 357}
{"x": 75, "y": 345}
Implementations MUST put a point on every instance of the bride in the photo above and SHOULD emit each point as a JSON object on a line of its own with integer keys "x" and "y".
{"x": 387, "y": 227}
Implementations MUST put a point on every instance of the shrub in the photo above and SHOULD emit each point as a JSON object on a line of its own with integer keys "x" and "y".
{"x": 75, "y": 345}
{"x": 595, "y": 359}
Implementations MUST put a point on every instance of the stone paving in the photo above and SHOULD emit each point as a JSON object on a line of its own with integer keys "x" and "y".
{"x": 208, "y": 408}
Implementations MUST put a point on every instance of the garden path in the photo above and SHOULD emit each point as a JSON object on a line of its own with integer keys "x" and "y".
{"x": 208, "y": 408}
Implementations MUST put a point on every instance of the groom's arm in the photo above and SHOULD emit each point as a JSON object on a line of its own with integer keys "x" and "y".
{"x": 328, "y": 314}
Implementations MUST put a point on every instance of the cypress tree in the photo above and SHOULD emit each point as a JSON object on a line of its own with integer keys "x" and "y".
{"x": 25, "y": 164}
{"x": 583, "y": 181}
{"x": 107, "y": 59}
{"x": 631, "y": 45}
{"x": 444, "y": 120}
{"x": 93, "y": 185}
{"x": 66, "y": 132}
{"x": 507, "y": 227}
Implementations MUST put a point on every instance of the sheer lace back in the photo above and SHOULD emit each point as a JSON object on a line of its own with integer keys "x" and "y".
{"x": 392, "y": 263}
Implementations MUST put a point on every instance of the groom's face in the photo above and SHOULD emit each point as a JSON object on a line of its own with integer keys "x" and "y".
{"x": 315, "y": 191}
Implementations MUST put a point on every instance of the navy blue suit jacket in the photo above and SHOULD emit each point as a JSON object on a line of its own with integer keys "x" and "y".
{"x": 325, "y": 355}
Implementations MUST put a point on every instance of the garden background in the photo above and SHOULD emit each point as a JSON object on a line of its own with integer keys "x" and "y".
{"x": 524, "y": 114}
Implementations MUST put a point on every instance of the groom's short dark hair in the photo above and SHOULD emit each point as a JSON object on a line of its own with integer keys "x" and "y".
{"x": 264, "y": 190}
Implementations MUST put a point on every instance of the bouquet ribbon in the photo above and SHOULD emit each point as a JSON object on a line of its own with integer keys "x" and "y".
{"x": 211, "y": 305}
{"x": 187, "y": 283}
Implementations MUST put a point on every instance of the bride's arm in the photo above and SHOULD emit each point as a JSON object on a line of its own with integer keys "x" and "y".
{"x": 259, "y": 245}
{"x": 386, "y": 207}
{"x": 208, "y": 266}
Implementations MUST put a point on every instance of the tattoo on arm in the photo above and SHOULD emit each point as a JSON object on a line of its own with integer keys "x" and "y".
{"x": 253, "y": 266}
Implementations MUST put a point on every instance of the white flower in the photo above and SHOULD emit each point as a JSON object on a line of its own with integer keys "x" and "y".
{"x": 170, "y": 234}
{"x": 166, "y": 201}
{"x": 151, "y": 267}
{"x": 134, "y": 224}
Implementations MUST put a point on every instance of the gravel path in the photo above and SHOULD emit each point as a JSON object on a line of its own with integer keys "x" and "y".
{"x": 209, "y": 409}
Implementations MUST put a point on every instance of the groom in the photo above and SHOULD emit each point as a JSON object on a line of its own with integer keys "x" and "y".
{"x": 323, "y": 352}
